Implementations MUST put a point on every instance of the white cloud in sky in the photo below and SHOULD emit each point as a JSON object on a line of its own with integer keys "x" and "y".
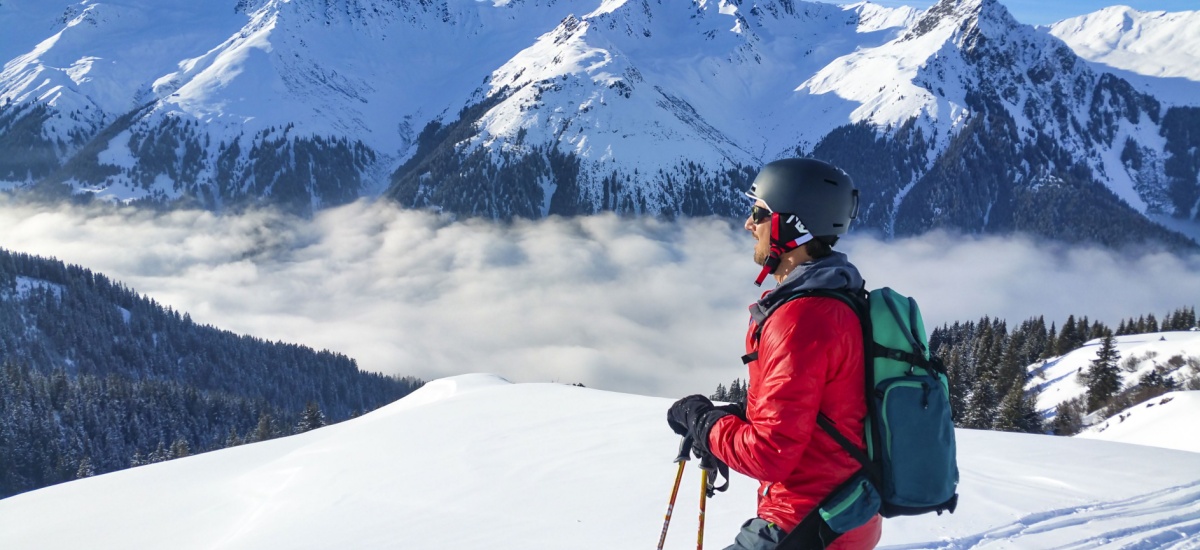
{"x": 635, "y": 305}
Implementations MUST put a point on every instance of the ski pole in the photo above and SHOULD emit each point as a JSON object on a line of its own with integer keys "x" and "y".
{"x": 703, "y": 499}
{"x": 708, "y": 476}
{"x": 685, "y": 448}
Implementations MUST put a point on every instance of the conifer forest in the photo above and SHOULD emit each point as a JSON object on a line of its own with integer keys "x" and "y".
{"x": 96, "y": 378}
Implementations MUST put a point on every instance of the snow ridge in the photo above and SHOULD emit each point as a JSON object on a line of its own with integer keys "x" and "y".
{"x": 539, "y": 107}
{"x": 435, "y": 462}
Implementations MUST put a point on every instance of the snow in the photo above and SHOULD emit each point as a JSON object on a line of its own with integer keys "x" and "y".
{"x": 1168, "y": 421}
{"x": 630, "y": 87}
{"x": 26, "y": 285}
{"x": 1155, "y": 43}
{"x": 1156, "y": 51}
{"x": 474, "y": 461}
{"x": 1056, "y": 378}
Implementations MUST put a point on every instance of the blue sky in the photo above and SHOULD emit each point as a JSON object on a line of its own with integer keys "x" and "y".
{"x": 1044, "y": 12}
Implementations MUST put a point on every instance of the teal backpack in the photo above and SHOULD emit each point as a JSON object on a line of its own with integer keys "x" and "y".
{"x": 910, "y": 466}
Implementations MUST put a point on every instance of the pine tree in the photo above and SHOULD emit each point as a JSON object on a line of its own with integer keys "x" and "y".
{"x": 160, "y": 454}
{"x": 1158, "y": 379}
{"x": 1151, "y": 323}
{"x": 85, "y": 469}
{"x": 1068, "y": 339}
{"x": 737, "y": 391}
{"x": 311, "y": 419}
{"x": 981, "y": 406}
{"x": 1068, "y": 418}
{"x": 180, "y": 448}
{"x": 1104, "y": 375}
{"x": 1051, "y": 344}
{"x": 960, "y": 383}
{"x": 233, "y": 440}
{"x": 1011, "y": 415}
{"x": 265, "y": 429}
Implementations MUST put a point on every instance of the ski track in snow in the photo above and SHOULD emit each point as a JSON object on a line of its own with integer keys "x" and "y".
{"x": 1165, "y": 519}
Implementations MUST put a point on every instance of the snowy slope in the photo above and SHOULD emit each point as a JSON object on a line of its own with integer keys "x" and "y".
{"x": 1056, "y": 378}
{"x": 1155, "y": 43}
{"x": 638, "y": 90}
{"x": 620, "y": 67}
{"x": 1157, "y": 51}
{"x": 1168, "y": 421}
{"x": 329, "y": 67}
{"x": 371, "y": 71}
{"x": 473, "y": 461}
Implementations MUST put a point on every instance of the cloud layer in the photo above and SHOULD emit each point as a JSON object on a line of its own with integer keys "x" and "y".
{"x": 635, "y": 305}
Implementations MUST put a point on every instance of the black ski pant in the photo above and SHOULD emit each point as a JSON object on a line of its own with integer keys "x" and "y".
{"x": 757, "y": 534}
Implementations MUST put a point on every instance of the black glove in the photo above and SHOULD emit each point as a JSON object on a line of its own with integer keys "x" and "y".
{"x": 682, "y": 415}
{"x": 694, "y": 416}
{"x": 736, "y": 409}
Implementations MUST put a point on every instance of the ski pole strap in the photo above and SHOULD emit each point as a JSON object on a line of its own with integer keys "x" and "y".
{"x": 685, "y": 449}
{"x": 710, "y": 464}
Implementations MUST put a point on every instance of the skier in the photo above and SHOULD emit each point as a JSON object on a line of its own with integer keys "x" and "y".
{"x": 807, "y": 360}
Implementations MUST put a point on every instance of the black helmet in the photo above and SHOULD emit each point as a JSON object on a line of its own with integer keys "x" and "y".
{"x": 819, "y": 193}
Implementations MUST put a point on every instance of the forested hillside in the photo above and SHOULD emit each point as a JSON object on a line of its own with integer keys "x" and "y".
{"x": 96, "y": 378}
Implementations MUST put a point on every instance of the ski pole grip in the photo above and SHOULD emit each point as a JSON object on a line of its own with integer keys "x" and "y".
{"x": 685, "y": 449}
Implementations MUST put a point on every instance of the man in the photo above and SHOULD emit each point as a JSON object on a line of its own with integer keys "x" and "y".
{"x": 805, "y": 360}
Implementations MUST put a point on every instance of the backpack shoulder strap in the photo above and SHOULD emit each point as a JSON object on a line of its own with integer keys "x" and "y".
{"x": 856, "y": 299}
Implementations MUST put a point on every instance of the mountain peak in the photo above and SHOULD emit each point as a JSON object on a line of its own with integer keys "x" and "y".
{"x": 961, "y": 14}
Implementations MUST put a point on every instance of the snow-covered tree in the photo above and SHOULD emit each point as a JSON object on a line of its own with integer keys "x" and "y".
{"x": 1068, "y": 418}
{"x": 1104, "y": 374}
{"x": 311, "y": 419}
{"x": 85, "y": 469}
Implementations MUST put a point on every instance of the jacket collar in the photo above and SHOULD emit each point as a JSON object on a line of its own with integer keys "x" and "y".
{"x": 833, "y": 272}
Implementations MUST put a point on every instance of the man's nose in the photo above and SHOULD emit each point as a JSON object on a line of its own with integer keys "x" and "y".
{"x": 749, "y": 225}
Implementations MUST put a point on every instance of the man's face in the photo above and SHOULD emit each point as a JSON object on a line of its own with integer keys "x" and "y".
{"x": 762, "y": 236}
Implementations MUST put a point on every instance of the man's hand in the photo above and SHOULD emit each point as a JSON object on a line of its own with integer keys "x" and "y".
{"x": 682, "y": 415}
{"x": 695, "y": 415}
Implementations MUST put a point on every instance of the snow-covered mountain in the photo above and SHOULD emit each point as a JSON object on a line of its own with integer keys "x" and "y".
{"x": 474, "y": 461}
{"x": 956, "y": 117}
{"x": 1158, "y": 43}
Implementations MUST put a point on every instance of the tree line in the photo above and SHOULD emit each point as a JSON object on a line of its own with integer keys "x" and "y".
{"x": 95, "y": 378}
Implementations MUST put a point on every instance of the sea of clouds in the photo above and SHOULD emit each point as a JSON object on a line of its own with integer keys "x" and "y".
{"x": 644, "y": 306}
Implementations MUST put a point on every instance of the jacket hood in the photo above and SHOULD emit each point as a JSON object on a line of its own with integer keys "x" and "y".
{"x": 833, "y": 272}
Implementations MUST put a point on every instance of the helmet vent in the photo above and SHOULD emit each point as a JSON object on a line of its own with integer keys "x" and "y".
{"x": 831, "y": 182}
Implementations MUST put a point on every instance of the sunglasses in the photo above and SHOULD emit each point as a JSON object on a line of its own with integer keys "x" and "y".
{"x": 759, "y": 214}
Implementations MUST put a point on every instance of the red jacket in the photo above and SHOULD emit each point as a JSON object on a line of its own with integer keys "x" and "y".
{"x": 810, "y": 360}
